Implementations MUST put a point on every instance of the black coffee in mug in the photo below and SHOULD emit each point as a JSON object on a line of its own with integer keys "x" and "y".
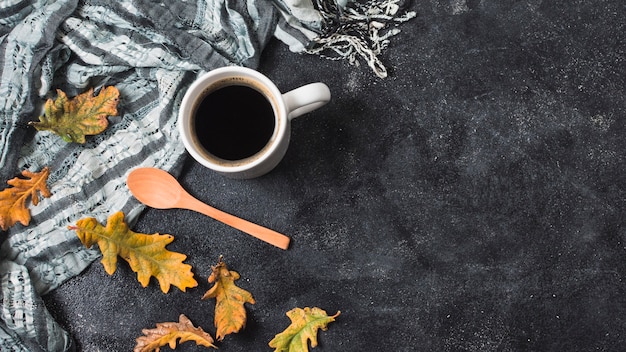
{"x": 234, "y": 122}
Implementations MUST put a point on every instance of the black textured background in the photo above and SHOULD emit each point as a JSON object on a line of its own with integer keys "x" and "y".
{"x": 472, "y": 201}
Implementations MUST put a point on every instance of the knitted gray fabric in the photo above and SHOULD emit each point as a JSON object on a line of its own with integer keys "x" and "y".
{"x": 151, "y": 51}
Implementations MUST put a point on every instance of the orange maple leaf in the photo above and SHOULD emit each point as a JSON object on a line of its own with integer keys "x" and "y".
{"x": 168, "y": 333}
{"x": 230, "y": 313}
{"x": 146, "y": 254}
{"x": 13, "y": 199}
{"x": 83, "y": 115}
{"x": 304, "y": 325}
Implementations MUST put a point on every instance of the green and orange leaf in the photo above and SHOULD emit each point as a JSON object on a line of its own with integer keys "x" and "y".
{"x": 13, "y": 206}
{"x": 304, "y": 325}
{"x": 169, "y": 333}
{"x": 230, "y": 313}
{"x": 83, "y": 115}
{"x": 146, "y": 254}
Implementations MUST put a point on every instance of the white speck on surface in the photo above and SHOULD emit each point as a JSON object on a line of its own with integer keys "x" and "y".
{"x": 459, "y": 7}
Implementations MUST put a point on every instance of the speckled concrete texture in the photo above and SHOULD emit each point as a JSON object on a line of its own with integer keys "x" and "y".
{"x": 474, "y": 200}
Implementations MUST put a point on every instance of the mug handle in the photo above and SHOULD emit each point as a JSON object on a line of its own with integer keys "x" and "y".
{"x": 306, "y": 99}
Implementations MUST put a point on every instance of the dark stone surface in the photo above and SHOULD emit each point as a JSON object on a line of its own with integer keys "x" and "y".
{"x": 472, "y": 201}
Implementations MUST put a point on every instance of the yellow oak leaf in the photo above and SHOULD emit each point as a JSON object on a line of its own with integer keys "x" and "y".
{"x": 85, "y": 114}
{"x": 230, "y": 313}
{"x": 13, "y": 199}
{"x": 304, "y": 325}
{"x": 170, "y": 332}
{"x": 146, "y": 254}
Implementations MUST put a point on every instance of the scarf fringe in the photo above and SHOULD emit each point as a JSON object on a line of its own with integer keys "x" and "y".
{"x": 359, "y": 30}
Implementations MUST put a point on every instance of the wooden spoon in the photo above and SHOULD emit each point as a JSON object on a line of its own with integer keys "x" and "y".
{"x": 158, "y": 189}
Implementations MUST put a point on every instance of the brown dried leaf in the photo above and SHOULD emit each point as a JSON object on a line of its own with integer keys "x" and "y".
{"x": 169, "y": 333}
{"x": 13, "y": 199}
{"x": 146, "y": 254}
{"x": 230, "y": 313}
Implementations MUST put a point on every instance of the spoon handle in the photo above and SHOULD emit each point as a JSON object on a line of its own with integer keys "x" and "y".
{"x": 263, "y": 233}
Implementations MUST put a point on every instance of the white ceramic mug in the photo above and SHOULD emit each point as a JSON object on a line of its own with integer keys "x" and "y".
{"x": 214, "y": 103}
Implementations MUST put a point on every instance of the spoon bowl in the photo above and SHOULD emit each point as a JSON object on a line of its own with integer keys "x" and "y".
{"x": 159, "y": 189}
{"x": 155, "y": 188}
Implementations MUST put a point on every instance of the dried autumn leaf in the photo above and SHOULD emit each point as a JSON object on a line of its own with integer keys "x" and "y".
{"x": 146, "y": 254}
{"x": 168, "y": 333}
{"x": 304, "y": 325}
{"x": 13, "y": 199}
{"x": 85, "y": 114}
{"x": 230, "y": 313}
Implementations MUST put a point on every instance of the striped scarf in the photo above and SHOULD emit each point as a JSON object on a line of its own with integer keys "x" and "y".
{"x": 151, "y": 51}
